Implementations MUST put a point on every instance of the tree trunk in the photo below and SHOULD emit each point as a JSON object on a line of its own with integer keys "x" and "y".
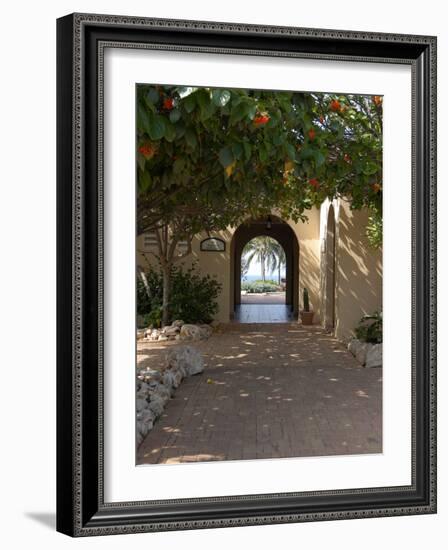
{"x": 145, "y": 283}
{"x": 263, "y": 274}
{"x": 279, "y": 273}
{"x": 166, "y": 295}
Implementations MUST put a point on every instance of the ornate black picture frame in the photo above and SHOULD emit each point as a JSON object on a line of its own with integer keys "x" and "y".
{"x": 81, "y": 508}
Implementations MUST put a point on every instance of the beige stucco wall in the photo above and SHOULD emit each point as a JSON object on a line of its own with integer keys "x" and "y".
{"x": 358, "y": 274}
{"x": 358, "y": 269}
{"x": 308, "y": 236}
{"x": 218, "y": 264}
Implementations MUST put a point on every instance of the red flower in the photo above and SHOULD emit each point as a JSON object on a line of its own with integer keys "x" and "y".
{"x": 311, "y": 134}
{"x": 147, "y": 150}
{"x": 168, "y": 103}
{"x": 347, "y": 158}
{"x": 261, "y": 120}
{"x": 376, "y": 187}
{"x": 335, "y": 105}
{"x": 314, "y": 182}
{"x": 321, "y": 119}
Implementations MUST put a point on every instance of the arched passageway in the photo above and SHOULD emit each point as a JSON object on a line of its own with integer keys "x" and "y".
{"x": 274, "y": 227}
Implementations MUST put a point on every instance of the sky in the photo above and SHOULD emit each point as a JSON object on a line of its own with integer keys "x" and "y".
{"x": 255, "y": 269}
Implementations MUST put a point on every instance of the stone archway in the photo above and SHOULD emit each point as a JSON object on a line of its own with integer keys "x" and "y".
{"x": 330, "y": 270}
{"x": 280, "y": 231}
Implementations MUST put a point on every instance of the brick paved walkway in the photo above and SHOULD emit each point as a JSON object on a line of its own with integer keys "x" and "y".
{"x": 268, "y": 391}
{"x": 262, "y": 313}
{"x": 268, "y": 298}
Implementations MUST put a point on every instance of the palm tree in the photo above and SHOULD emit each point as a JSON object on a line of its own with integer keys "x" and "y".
{"x": 277, "y": 259}
{"x": 256, "y": 250}
{"x": 268, "y": 252}
{"x": 244, "y": 267}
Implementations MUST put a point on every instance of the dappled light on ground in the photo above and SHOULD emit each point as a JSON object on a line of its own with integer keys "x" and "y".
{"x": 268, "y": 391}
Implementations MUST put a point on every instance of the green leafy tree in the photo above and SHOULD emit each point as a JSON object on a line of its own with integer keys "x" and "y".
{"x": 207, "y": 158}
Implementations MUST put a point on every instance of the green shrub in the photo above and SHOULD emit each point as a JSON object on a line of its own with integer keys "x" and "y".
{"x": 193, "y": 296}
{"x": 370, "y": 328}
{"x": 374, "y": 229}
{"x": 268, "y": 281}
{"x": 146, "y": 304}
{"x": 259, "y": 287}
{"x": 153, "y": 318}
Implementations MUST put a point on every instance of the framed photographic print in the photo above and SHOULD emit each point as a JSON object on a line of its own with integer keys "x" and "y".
{"x": 290, "y": 375}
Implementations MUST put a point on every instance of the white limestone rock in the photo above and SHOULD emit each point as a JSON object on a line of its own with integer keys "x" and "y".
{"x": 142, "y": 394}
{"x": 172, "y": 377}
{"x": 164, "y": 391}
{"x": 177, "y": 323}
{"x": 190, "y": 332}
{"x": 141, "y": 386}
{"x": 187, "y": 358}
{"x": 156, "y": 387}
{"x": 140, "y": 404}
{"x": 142, "y": 428}
{"x": 171, "y": 332}
{"x": 358, "y": 349}
{"x": 207, "y": 330}
{"x": 148, "y": 375}
{"x": 195, "y": 332}
{"x": 369, "y": 355}
{"x": 152, "y": 334}
{"x": 146, "y": 415}
{"x": 374, "y": 356}
{"x": 157, "y": 404}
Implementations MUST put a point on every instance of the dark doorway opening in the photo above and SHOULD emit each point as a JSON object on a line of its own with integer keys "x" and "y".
{"x": 281, "y": 232}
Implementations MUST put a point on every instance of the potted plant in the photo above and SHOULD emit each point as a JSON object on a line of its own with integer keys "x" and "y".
{"x": 306, "y": 315}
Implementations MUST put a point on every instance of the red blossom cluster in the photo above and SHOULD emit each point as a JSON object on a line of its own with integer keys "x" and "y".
{"x": 168, "y": 103}
{"x": 147, "y": 150}
{"x": 335, "y": 105}
{"x": 260, "y": 120}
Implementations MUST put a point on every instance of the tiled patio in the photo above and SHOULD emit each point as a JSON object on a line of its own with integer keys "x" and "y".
{"x": 268, "y": 391}
{"x": 263, "y": 313}
{"x": 278, "y": 298}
